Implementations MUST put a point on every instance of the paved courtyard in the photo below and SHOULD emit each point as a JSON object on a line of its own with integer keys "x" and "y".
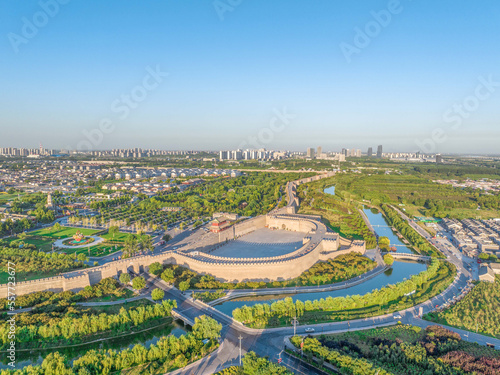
{"x": 262, "y": 243}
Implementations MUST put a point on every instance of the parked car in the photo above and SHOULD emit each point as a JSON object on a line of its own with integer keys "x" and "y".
{"x": 309, "y": 330}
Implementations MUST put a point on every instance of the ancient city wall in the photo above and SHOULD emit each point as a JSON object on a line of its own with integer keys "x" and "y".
{"x": 316, "y": 248}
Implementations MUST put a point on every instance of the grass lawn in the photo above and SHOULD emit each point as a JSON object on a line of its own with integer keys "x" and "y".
{"x": 6, "y": 197}
{"x": 115, "y": 309}
{"x": 99, "y": 250}
{"x": 127, "y": 294}
{"x": 65, "y": 232}
{"x": 118, "y": 237}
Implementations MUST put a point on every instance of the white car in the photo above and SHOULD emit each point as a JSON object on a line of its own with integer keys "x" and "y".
{"x": 397, "y": 316}
{"x": 309, "y": 330}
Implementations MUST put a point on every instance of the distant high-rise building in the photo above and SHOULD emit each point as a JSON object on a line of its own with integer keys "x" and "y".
{"x": 345, "y": 152}
{"x": 370, "y": 152}
{"x": 379, "y": 151}
{"x": 310, "y": 152}
{"x": 319, "y": 150}
{"x": 223, "y": 155}
{"x": 439, "y": 158}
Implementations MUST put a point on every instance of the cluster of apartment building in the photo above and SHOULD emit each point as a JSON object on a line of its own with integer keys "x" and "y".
{"x": 484, "y": 184}
{"x": 474, "y": 237}
{"x": 139, "y": 153}
{"x": 28, "y": 152}
{"x": 140, "y": 173}
{"x": 416, "y": 157}
{"x": 261, "y": 154}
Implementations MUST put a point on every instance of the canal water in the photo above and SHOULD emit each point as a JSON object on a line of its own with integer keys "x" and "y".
{"x": 382, "y": 228}
{"x": 35, "y": 357}
{"x": 399, "y": 272}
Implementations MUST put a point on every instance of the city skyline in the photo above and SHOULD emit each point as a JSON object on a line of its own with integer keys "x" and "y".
{"x": 359, "y": 75}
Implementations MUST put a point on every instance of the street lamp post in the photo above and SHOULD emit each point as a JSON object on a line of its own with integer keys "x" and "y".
{"x": 240, "y": 338}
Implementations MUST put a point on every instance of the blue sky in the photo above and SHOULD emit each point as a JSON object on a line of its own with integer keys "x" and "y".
{"x": 231, "y": 67}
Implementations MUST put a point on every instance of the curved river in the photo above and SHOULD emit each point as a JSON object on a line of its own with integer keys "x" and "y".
{"x": 399, "y": 272}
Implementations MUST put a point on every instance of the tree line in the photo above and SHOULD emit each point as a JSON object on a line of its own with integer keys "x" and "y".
{"x": 408, "y": 350}
{"x": 36, "y": 262}
{"x": 478, "y": 310}
{"x": 409, "y": 233}
{"x": 41, "y": 300}
{"x": 167, "y": 354}
{"x": 260, "y": 314}
{"x": 47, "y": 329}
{"x": 343, "y": 267}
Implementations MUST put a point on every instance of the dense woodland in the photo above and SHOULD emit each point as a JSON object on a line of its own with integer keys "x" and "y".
{"x": 30, "y": 261}
{"x": 74, "y": 324}
{"x": 402, "y": 350}
{"x": 167, "y": 354}
{"x": 46, "y": 301}
{"x": 478, "y": 310}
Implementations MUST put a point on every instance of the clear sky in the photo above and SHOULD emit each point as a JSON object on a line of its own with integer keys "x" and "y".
{"x": 412, "y": 73}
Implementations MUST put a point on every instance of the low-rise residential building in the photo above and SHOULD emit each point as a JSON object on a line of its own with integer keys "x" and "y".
{"x": 486, "y": 273}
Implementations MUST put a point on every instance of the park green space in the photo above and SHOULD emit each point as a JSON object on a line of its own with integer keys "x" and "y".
{"x": 30, "y": 264}
{"x": 418, "y": 195}
{"x": 251, "y": 194}
{"x": 64, "y": 232}
{"x": 44, "y": 238}
{"x": 398, "y": 350}
{"x": 6, "y": 197}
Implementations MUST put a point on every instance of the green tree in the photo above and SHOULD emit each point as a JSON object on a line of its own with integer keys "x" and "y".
{"x": 184, "y": 285}
{"x": 156, "y": 268}
{"x": 125, "y": 278}
{"x": 113, "y": 230}
{"x": 145, "y": 243}
{"x": 56, "y": 227}
{"x": 167, "y": 237}
{"x": 388, "y": 259}
{"x": 206, "y": 328}
{"x": 484, "y": 256}
{"x": 384, "y": 243}
{"x": 168, "y": 275}
{"x": 157, "y": 294}
{"x": 138, "y": 283}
